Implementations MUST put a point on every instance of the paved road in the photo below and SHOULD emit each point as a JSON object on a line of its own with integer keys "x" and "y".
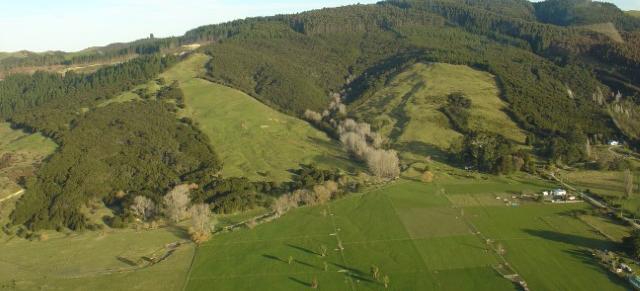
{"x": 12, "y": 195}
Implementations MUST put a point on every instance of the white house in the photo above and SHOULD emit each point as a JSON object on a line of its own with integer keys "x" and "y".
{"x": 545, "y": 193}
{"x": 614, "y": 143}
{"x": 559, "y": 192}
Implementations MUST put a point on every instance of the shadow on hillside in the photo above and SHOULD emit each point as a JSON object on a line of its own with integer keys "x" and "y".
{"x": 578, "y": 241}
{"x": 423, "y": 149}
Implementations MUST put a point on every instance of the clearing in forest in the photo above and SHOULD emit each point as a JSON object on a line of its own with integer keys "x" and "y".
{"x": 253, "y": 140}
{"x": 408, "y": 110}
{"x": 20, "y": 153}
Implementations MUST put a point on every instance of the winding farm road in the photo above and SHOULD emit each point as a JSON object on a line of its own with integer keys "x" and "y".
{"x": 12, "y": 195}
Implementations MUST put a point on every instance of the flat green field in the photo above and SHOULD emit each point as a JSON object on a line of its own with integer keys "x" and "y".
{"x": 22, "y": 152}
{"x": 252, "y": 139}
{"x": 408, "y": 109}
{"x": 414, "y": 234}
{"x": 607, "y": 184}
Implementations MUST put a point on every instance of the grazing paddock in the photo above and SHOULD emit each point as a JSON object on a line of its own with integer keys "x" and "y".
{"x": 20, "y": 154}
{"x": 413, "y": 233}
{"x": 94, "y": 261}
{"x": 412, "y": 102}
{"x": 547, "y": 246}
{"x": 253, "y": 140}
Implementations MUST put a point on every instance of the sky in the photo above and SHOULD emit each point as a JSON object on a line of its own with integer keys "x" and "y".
{"x": 72, "y": 25}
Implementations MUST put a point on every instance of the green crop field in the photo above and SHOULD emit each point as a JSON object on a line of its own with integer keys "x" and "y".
{"x": 408, "y": 109}
{"x": 22, "y": 152}
{"x": 413, "y": 233}
{"x": 252, "y": 139}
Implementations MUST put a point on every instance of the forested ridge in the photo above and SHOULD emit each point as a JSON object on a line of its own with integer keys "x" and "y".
{"x": 559, "y": 78}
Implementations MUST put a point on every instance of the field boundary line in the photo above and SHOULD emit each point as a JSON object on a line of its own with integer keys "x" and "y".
{"x": 415, "y": 248}
{"x": 261, "y": 240}
{"x": 188, "y": 275}
{"x": 340, "y": 247}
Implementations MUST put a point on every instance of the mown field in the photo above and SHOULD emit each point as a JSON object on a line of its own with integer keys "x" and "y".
{"x": 19, "y": 155}
{"x": 423, "y": 236}
{"x": 252, "y": 139}
{"x": 408, "y": 110}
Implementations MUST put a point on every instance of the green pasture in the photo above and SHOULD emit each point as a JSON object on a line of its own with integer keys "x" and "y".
{"x": 23, "y": 152}
{"x": 415, "y": 234}
{"x": 408, "y": 110}
{"x": 253, "y": 140}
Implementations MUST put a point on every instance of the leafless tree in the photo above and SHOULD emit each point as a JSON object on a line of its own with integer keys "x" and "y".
{"x": 143, "y": 207}
{"x": 383, "y": 163}
{"x": 628, "y": 184}
{"x": 200, "y": 229}
{"x": 176, "y": 203}
{"x": 312, "y": 116}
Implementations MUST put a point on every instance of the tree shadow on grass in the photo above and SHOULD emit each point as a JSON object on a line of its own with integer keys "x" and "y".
{"x": 308, "y": 251}
{"x": 303, "y": 283}
{"x": 127, "y": 261}
{"x": 586, "y": 257}
{"x": 307, "y": 264}
{"x": 179, "y": 232}
{"x": 355, "y": 273}
{"x": 579, "y": 241}
{"x": 274, "y": 258}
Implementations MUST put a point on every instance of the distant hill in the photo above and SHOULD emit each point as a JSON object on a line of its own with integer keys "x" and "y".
{"x": 635, "y": 13}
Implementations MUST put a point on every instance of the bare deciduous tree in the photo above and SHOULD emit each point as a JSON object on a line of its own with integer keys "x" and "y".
{"x": 143, "y": 207}
{"x": 312, "y": 116}
{"x": 628, "y": 184}
{"x": 200, "y": 229}
{"x": 383, "y": 163}
{"x": 176, "y": 203}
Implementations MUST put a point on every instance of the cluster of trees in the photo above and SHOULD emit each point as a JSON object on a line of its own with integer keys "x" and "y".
{"x": 358, "y": 139}
{"x": 318, "y": 195}
{"x": 50, "y": 103}
{"x": 492, "y": 153}
{"x": 457, "y": 110}
{"x": 137, "y": 148}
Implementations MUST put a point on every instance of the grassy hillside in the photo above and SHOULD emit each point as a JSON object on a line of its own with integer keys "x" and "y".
{"x": 94, "y": 261}
{"x": 252, "y": 139}
{"x": 424, "y": 237}
{"x": 407, "y": 110}
{"x": 22, "y": 152}
{"x": 634, "y": 13}
{"x": 608, "y": 29}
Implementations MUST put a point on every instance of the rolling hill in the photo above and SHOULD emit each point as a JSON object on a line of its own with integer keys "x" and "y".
{"x": 254, "y": 140}
{"x": 183, "y": 164}
{"x": 409, "y": 109}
